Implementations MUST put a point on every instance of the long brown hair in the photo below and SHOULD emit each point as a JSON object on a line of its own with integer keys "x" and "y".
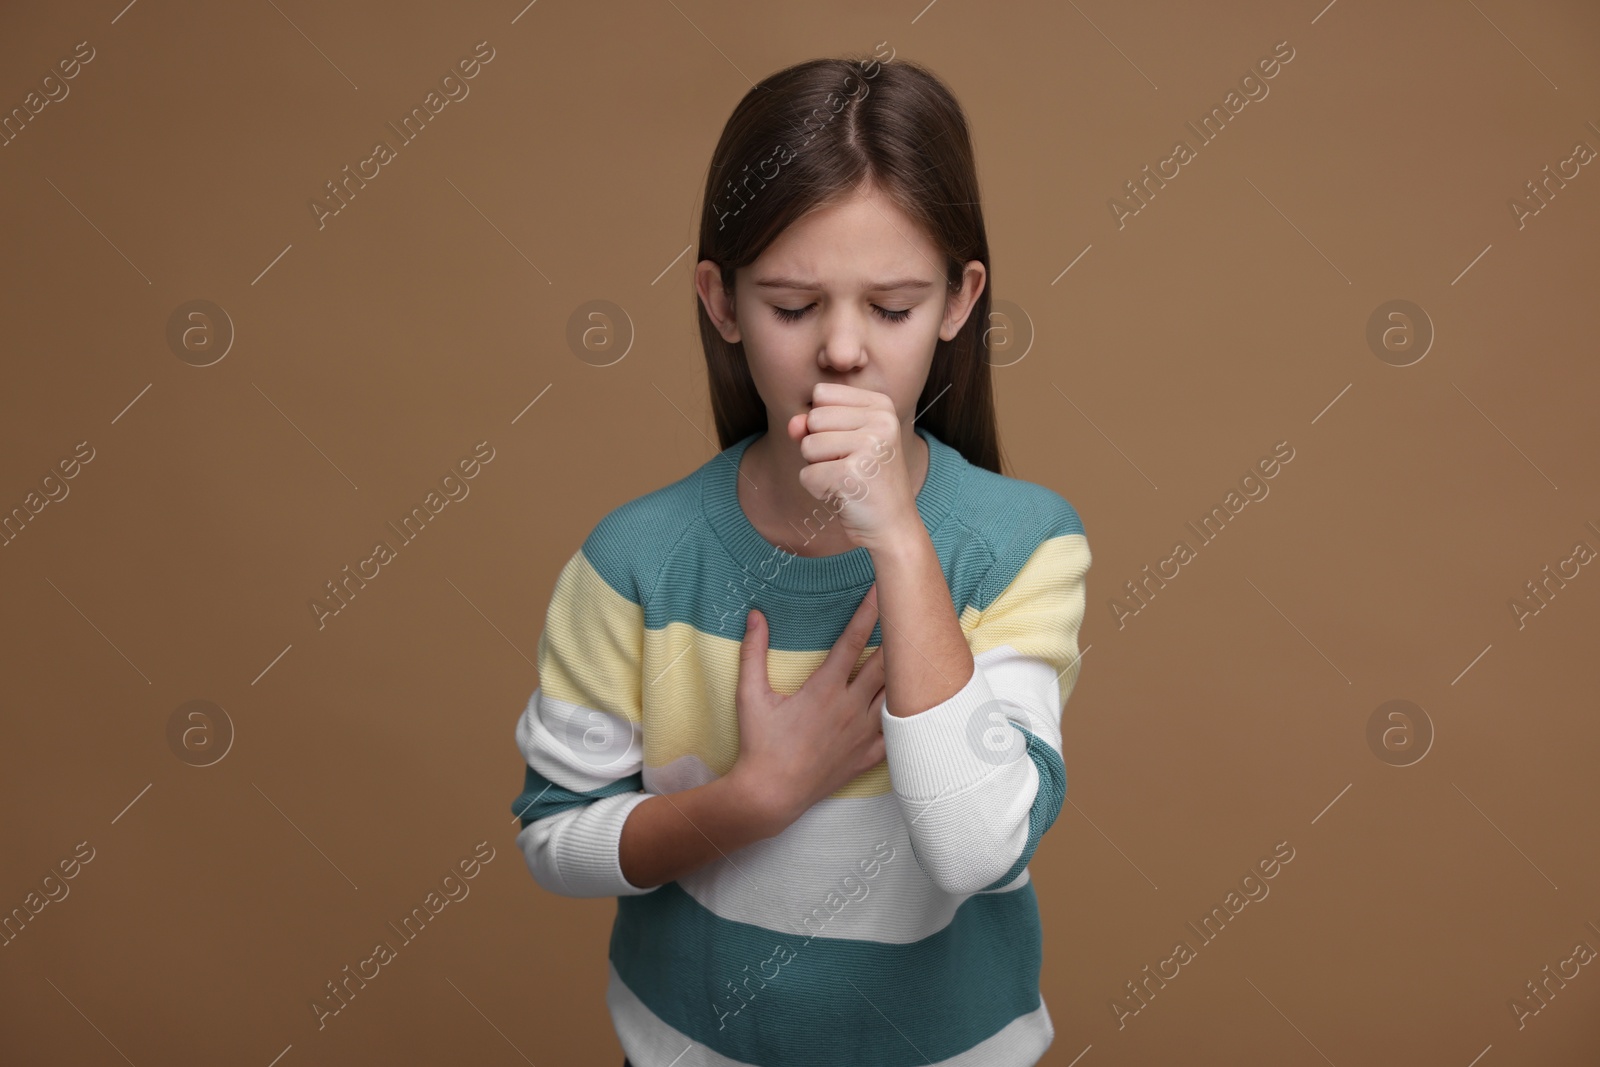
{"x": 808, "y": 136}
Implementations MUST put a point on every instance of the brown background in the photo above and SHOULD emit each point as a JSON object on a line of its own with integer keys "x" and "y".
{"x": 370, "y": 756}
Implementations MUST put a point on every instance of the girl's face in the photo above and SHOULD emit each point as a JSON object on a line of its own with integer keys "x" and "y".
{"x": 852, "y": 293}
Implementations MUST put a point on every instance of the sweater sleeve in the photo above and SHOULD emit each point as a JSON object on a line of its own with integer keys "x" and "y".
{"x": 980, "y": 777}
{"x": 581, "y": 737}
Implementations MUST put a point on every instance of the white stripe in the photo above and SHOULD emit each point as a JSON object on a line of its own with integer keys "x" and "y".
{"x": 577, "y": 747}
{"x": 649, "y": 1042}
{"x": 1030, "y": 682}
{"x": 575, "y": 853}
{"x": 968, "y": 805}
{"x": 825, "y": 874}
{"x": 837, "y": 847}
{"x": 585, "y": 749}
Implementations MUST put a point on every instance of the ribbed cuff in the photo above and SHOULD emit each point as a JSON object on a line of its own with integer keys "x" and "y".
{"x": 949, "y": 746}
{"x": 588, "y": 849}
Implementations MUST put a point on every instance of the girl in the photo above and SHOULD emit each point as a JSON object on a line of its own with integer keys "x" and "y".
{"x": 799, "y": 711}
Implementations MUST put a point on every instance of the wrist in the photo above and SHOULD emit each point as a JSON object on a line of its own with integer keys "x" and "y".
{"x": 908, "y": 549}
{"x": 767, "y": 807}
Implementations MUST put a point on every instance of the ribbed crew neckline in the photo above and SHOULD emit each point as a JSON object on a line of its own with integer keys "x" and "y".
{"x": 815, "y": 574}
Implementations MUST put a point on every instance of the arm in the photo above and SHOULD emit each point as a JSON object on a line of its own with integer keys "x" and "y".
{"x": 588, "y": 829}
{"x": 659, "y": 838}
{"x": 570, "y": 831}
{"x": 979, "y": 771}
{"x": 667, "y": 837}
{"x": 581, "y": 736}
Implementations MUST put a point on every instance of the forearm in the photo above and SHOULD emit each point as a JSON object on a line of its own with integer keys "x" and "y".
{"x": 671, "y": 835}
{"x": 926, "y": 657}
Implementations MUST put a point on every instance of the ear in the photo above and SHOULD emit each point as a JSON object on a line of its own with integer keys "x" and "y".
{"x": 708, "y": 283}
{"x": 959, "y": 304}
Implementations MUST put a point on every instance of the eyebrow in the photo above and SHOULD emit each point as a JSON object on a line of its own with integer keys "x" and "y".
{"x": 811, "y": 286}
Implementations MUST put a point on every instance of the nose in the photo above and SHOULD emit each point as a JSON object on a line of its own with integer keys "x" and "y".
{"x": 844, "y": 342}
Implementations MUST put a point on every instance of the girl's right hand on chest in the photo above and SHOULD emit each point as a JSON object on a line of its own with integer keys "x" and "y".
{"x": 797, "y": 750}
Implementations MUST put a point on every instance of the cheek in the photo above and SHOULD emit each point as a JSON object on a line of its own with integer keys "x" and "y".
{"x": 909, "y": 373}
{"x": 777, "y": 364}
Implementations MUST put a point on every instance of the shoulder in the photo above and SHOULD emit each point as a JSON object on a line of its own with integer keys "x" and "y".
{"x": 1013, "y": 514}
{"x": 629, "y": 546}
{"x": 1024, "y": 526}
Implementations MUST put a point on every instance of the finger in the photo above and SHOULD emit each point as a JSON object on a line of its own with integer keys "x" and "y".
{"x": 848, "y": 648}
{"x": 872, "y": 673}
{"x": 753, "y": 681}
{"x": 834, "y": 445}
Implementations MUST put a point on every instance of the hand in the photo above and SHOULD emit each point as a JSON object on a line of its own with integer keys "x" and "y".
{"x": 797, "y": 750}
{"x": 850, "y": 441}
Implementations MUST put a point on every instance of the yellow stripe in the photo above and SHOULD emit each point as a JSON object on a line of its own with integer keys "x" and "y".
{"x": 696, "y": 674}
{"x": 596, "y": 653}
{"x": 590, "y": 649}
{"x": 1041, "y": 611}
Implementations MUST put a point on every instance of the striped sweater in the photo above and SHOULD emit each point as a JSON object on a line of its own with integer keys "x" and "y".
{"x": 894, "y": 922}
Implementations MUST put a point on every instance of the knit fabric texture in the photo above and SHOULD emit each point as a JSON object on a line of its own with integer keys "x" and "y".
{"x": 894, "y": 923}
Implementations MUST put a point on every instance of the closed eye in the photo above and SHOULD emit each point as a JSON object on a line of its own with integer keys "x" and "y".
{"x": 796, "y": 314}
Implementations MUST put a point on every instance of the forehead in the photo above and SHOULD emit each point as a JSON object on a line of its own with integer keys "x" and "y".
{"x": 863, "y": 239}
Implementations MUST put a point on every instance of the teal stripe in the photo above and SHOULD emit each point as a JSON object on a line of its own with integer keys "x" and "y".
{"x": 821, "y": 1000}
{"x": 991, "y": 529}
{"x": 707, "y": 590}
{"x": 1046, "y": 803}
{"x": 542, "y": 798}
{"x": 1032, "y": 516}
